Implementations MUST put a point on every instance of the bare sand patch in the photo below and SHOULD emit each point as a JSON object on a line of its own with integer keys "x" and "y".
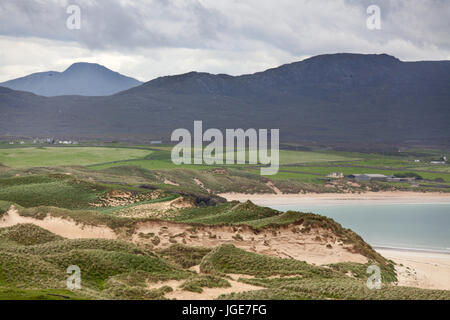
{"x": 272, "y": 186}
{"x": 66, "y": 228}
{"x": 170, "y": 283}
{"x": 427, "y": 270}
{"x": 201, "y": 185}
{"x": 207, "y": 293}
{"x": 211, "y": 293}
{"x": 167, "y": 181}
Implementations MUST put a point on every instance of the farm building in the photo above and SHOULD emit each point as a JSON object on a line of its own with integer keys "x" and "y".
{"x": 368, "y": 177}
{"x": 401, "y": 179}
{"x": 335, "y": 175}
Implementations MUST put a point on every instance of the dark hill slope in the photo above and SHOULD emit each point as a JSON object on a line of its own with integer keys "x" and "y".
{"x": 328, "y": 98}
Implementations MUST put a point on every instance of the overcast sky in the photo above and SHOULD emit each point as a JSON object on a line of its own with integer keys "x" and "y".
{"x": 150, "y": 38}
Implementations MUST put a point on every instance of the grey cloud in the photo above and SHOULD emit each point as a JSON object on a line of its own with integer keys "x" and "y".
{"x": 228, "y": 36}
{"x": 113, "y": 24}
{"x": 294, "y": 26}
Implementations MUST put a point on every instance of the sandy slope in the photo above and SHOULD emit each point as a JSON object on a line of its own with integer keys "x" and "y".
{"x": 62, "y": 227}
{"x": 207, "y": 294}
{"x": 285, "y": 242}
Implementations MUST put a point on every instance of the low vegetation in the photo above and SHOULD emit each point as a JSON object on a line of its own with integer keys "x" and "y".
{"x": 197, "y": 283}
{"x": 227, "y": 258}
{"x": 346, "y": 288}
{"x": 110, "y": 268}
{"x": 27, "y": 234}
{"x": 184, "y": 256}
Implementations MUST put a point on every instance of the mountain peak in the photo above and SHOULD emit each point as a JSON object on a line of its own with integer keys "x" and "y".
{"x": 81, "y": 78}
{"x": 86, "y": 66}
{"x": 352, "y": 56}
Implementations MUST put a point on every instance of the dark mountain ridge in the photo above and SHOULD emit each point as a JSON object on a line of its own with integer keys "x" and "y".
{"x": 329, "y": 98}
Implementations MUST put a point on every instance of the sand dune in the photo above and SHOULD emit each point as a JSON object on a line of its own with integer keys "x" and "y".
{"x": 319, "y": 246}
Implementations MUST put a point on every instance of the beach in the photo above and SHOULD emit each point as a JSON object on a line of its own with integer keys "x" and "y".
{"x": 421, "y": 269}
{"x": 340, "y": 198}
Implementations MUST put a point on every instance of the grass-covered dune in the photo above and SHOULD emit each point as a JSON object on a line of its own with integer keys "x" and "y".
{"x": 114, "y": 269}
{"x": 340, "y": 288}
{"x": 66, "y": 191}
{"x": 292, "y": 279}
{"x": 111, "y": 269}
{"x": 246, "y": 216}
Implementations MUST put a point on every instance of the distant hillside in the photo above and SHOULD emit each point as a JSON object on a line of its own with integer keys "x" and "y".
{"x": 87, "y": 79}
{"x": 327, "y": 98}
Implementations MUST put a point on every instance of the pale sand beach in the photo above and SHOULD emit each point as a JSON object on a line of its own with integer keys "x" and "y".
{"x": 340, "y": 198}
{"x": 428, "y": 270}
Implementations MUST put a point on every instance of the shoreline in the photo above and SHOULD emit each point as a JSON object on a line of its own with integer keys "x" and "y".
{"x": 382, "y": 197}
{"x": 412, "y": 250}
{"x": 421, "y": 269}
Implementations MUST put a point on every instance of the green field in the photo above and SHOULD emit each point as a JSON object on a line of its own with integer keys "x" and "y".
{"x": 66, "y": 156}
{"x": 299, "y": 170}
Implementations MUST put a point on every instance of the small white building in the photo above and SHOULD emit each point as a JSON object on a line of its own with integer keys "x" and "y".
{"x": 368, "y": 176}
{"x": 438, "y": 162}
{"x": 335, "y": 175}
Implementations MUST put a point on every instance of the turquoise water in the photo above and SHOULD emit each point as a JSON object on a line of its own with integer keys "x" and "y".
{"x": 408, "y": 226}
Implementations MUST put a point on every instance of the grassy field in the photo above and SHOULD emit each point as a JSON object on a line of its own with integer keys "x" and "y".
{"x": 66, "y": 156}
{"x": 305, "y": 166}
{"x": 302, "y": 171}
